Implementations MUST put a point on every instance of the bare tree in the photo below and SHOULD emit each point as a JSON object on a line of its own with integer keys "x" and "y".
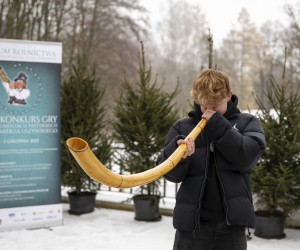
{"x": 181, "y": 47}
{"x": 271, "y": 56}
{"x": 241, "y": 57}
{"x": 34, "y": 19}
{"x": 277, "y": 37}
{"x": 291, "y": 39}
{"x": 111, "y": 31}
{"x": 110, "y": 37}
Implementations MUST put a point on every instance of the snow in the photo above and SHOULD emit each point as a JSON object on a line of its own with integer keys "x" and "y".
{"x": 113, "y": 229}
{"x": 101, "y": 229}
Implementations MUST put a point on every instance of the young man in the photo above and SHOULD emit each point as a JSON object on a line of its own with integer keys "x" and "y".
{"x": 214, "y": 203}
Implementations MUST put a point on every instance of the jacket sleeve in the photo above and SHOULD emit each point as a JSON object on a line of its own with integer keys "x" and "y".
{"x": 179, "y": 172}
{"x": 242, "y": 149}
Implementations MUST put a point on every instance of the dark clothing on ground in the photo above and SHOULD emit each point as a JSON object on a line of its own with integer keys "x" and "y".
{"x": 212, "y": 236}
{"x": 238, "y": 142}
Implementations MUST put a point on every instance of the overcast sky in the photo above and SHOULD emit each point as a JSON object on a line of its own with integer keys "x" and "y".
{"x": 221, "y": 14}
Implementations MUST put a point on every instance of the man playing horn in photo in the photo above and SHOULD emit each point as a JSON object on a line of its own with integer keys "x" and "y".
{"x": 16, "y": 90}
{"x": 214, "y": 204}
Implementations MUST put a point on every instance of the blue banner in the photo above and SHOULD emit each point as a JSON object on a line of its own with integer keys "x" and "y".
{"x": 29, "y": 128}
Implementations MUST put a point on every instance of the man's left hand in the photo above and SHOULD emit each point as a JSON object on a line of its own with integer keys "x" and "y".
{"x": 208, "y": 114}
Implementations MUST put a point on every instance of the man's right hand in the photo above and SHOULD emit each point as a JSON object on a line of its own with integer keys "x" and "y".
{"x": 11, "y": 85}
{"x": 190, "y": 144}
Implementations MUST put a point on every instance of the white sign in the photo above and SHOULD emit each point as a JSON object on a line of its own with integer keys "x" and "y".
{"x": 31, "y": 217}
{"x": 30, "y": 51}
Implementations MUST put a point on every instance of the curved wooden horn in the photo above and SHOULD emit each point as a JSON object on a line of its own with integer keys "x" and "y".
{"x": 95, "y": 169}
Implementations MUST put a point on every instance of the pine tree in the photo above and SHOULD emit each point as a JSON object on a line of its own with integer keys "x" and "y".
{"x": 83, "y": 116}
{"x": 143, "y": 117}
{"x": 276, "y": 180}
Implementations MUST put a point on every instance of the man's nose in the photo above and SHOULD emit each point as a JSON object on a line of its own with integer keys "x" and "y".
{"x": 211, "y": 107}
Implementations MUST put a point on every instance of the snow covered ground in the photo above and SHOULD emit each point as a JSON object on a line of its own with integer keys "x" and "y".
{"x": 113, "y": 230}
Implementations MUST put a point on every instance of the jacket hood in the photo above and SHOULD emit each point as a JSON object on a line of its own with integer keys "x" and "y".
{"x": 232, "y": 109}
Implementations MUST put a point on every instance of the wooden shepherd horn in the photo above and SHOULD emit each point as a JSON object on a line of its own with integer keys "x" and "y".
{"x": 95, "y": 169}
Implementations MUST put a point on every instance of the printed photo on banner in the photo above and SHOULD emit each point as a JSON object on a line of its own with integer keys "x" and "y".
{"x": 17, "y": 89}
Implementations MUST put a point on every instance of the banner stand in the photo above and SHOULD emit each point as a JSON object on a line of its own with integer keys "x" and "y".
{"x": 30, "y": 174}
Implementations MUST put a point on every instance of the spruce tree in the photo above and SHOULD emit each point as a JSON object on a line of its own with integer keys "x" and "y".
{"x": 143, "y": 116}
{"x": 83, "y": 116}
{"x": 276, "y": 180}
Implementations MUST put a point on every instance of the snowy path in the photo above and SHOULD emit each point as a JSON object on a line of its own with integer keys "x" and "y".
{"x": 113, "y": 230}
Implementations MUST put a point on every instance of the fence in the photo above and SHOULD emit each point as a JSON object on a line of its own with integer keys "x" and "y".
{"x": 167, "y": 189}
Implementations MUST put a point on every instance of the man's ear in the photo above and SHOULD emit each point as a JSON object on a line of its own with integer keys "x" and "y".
{"x": 229, "y": 96}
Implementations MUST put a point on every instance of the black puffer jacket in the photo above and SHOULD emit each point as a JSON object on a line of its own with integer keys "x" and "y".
{"x": 238, "y": 142}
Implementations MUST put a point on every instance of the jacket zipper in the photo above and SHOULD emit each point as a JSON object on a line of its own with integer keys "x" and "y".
{"x": 196, "y": 222}
{"x": 194, "y": 231}
{"x": 222, "y": 183}
{"x": 223, "y": 190}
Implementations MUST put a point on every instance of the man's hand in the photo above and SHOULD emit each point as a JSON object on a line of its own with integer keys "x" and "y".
{"x": 190, "y": 144}
{"x": 208, "y": 114}
{"x": 11, "y": 85}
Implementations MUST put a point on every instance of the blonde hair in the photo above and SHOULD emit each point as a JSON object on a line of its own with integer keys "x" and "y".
{"x": 210, "y": 86}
